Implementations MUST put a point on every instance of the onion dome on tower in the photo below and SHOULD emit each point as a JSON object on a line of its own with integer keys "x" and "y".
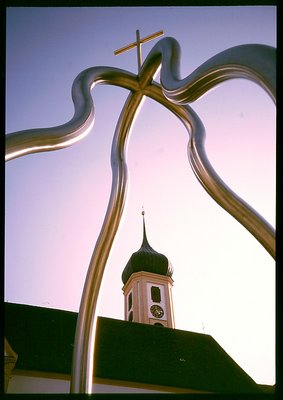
{"x": 148, "y": 260}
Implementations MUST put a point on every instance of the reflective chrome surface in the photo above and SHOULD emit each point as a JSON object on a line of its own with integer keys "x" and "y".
{"x": 253, "y": 62}
{"x": 58, "y": 137}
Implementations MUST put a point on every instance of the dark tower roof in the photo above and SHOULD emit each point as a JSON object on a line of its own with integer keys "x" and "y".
{"x": 148, "y": 260}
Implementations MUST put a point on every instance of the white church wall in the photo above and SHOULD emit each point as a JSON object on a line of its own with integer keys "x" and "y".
{"x": 35, "y": 384}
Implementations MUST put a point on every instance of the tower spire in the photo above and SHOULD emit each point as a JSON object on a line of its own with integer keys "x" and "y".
{"x": 147, "y": 286}
{"x": 144, "y": 241}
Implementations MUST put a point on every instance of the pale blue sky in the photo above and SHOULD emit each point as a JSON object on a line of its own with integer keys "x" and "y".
{"x": 55, "y": 202}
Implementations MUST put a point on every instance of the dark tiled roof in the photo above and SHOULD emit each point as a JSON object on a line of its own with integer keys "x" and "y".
{"x": 43, "y": 339}
{"x": 164, "y": 356}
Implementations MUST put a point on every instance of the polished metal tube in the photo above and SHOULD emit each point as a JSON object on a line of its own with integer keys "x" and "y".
{"x": 211, "y": 181}
{"x": 139, "y": 53}
{"x": 50, "y": 139}
{"x": 254, "y": 62}
{"x": 82, "y": 371}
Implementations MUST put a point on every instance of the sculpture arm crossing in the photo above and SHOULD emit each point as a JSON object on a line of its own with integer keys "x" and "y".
{"x": 254, "y": 62}
{"x": 54, "y": 138}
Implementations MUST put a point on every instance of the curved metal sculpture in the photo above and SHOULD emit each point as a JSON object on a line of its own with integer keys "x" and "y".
{"x": 253, "y": 62}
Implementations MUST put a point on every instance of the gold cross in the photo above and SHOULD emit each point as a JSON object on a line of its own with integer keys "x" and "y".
{"x": 138, "y": 44}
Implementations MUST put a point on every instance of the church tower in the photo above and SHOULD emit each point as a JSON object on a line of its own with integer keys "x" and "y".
{"x": 148, "y": 286}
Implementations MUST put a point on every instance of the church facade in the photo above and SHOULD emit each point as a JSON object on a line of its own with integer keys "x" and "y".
{"x": 145, "y": 353}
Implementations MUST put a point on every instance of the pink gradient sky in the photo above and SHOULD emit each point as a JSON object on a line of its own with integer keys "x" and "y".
{"x": 55, "y": 202}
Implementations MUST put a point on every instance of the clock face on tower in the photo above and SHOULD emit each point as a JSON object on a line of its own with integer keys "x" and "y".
{"x": 157, "y": 311}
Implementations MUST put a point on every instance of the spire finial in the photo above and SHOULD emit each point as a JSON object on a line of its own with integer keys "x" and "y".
{"x": 144, "y": 242}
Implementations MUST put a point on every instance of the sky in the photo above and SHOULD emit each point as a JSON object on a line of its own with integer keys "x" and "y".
{"x": 224, "y": 280}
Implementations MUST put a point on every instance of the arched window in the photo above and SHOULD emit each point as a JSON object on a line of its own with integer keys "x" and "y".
{"x": 158, "y": 324}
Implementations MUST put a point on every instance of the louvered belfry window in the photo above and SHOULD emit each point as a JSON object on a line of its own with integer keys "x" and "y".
{"x": 130, "y": 316}
{"x": 155, "y": 294}
{"x": 130, "y": 301}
